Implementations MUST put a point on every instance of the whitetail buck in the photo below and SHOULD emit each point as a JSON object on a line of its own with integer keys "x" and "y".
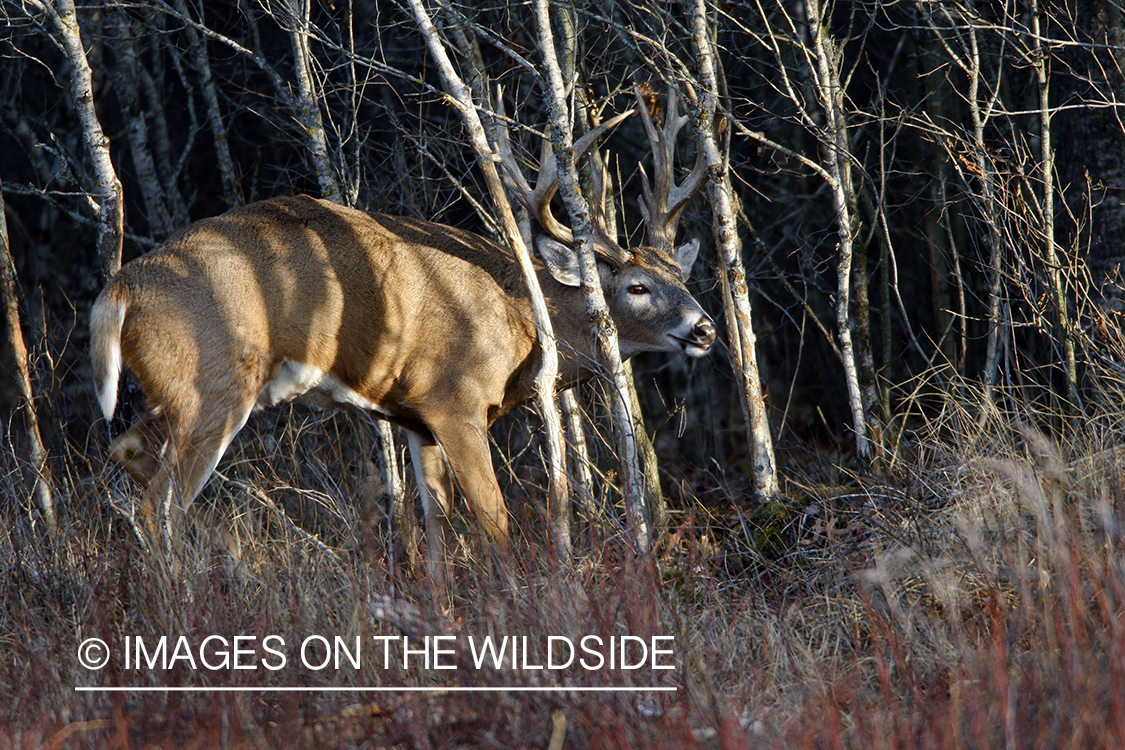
{"x": 298, "y": 299}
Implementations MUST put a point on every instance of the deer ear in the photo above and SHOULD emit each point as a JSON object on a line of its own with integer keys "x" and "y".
{"x": 561, "y": 260}
{"x": 685, "y": 256}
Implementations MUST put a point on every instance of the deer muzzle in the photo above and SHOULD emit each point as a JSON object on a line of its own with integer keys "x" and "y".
{"x": 698, "y": 342}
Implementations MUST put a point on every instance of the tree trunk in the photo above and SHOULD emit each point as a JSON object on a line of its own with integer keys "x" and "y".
{"x": 461, "y": 97}
{"x": 830, "y": 92}
{"x": 605, "y": 332}
{"x": 739, "y": 318}
{"x": 111, "y": 212}
{"x": 40, "y": 473}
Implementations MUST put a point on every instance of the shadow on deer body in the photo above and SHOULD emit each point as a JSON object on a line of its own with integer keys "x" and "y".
{"x": 298, "y": 299}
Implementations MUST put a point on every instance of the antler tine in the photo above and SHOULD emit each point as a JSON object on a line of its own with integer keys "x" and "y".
{"x": 538, "y": 200}
{"x": 584, "y": 142}
{"x": 664, "y": 201}
{"x": 604, "y": 243}
{"x": 509, "y": 168}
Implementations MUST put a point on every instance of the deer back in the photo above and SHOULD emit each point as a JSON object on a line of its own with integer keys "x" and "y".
{"x": 400, "y": 312}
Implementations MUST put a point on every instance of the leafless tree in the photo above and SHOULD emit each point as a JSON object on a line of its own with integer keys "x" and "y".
{"x": 40, "y": 474}
{"x": 548, "y": 370}
{"x": 904, "y": 201}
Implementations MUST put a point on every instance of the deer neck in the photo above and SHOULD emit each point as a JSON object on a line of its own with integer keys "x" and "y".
{"x": 578, "y": 358}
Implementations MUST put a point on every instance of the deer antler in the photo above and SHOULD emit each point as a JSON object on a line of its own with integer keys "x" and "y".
{"x": 662, "y": 204}
{"x": 599, "y": 177}
{"x": 538, "y": 200}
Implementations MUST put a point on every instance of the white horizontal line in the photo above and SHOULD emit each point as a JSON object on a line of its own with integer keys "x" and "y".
{"x": 332, "y": 689}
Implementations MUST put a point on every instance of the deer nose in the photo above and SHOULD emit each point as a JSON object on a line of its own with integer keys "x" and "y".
{"x": 704, "y": 332}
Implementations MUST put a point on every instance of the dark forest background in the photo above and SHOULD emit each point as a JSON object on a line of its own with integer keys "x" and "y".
{"x": 970, "y": 269}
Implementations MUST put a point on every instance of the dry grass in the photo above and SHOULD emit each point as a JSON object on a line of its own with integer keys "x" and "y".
{"x": 972, "y": 598}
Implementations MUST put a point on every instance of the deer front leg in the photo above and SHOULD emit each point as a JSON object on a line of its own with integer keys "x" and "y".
{"x": 465, "y": 443}
{"x": 467, "y": 451}
{"x": 436, "y": 490}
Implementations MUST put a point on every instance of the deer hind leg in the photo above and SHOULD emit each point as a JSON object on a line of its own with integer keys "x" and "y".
{"x": 185, "y": 464}
{"x": 139, "y": 448}
{"x": 142, "y": 452}
{"x": 183, "y": 472}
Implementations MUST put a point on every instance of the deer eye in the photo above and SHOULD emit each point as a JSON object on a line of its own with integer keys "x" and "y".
{"x": 638, "y": 289}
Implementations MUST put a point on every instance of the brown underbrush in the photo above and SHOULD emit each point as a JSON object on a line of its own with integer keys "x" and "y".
{"x": 970, "y": 597}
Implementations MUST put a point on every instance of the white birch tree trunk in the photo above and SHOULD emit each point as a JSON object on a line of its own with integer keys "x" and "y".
{"x": 605, "y": 332}
{"x": 41, "y": 477}
{"x": 729, "y": 243}
{"x": 107, "y": 193}
{"x": 307, "y": 102}
{"x": 1047, "y": 208}
{"x": 831, "y": 94}
{"x": 461, "y": 98}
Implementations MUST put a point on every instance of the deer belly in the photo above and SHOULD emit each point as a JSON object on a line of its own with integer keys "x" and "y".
{"x": 296, "y": 381}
